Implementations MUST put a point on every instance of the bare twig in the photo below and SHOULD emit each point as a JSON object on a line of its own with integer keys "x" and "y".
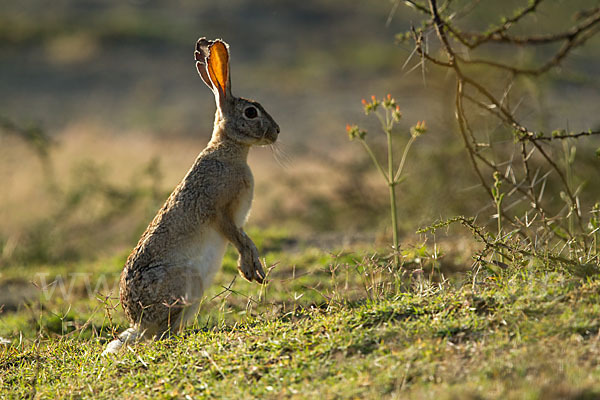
{"x": 529, "y": 142}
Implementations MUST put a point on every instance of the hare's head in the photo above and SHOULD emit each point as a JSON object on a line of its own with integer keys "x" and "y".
{"x": 243, "y": 120}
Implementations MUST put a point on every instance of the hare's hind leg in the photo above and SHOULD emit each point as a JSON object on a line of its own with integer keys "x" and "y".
{"x": 167, "y": 296}
{"x": 129, "y": 336}
{"x": 185, "y": 288}
{"x": 159, "y": 300}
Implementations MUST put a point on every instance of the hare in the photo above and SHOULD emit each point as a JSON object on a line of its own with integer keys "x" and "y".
{"x": 180, "y": 252}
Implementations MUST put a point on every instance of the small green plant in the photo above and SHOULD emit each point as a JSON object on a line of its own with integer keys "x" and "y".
{"x": 388, "y": 113}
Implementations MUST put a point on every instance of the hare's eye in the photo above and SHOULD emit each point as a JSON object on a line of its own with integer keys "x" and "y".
{"x": 251, "y": 112}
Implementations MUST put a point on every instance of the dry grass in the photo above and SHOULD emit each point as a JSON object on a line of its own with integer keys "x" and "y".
{"x": 290, "y": 193}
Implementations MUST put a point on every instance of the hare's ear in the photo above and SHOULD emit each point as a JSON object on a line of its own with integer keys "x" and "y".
{"x": 213, "y": 66}
{"x": 218, "y": 67}
{"x": 201, "y": 56}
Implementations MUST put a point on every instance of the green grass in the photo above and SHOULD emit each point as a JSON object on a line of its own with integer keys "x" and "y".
{"x": 330, "y": 325}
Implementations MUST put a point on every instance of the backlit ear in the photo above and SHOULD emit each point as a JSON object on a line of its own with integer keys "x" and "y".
{"x": 201, "y": 56}
{"x": 218, "y": 68}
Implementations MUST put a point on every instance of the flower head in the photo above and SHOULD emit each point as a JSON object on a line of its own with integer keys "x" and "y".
{"x": 397, "y": 114}
{"x": 389, "y": 102}
{"x": 354, "y": 132}
{"x": 419, "y": 129}
{"x": 370, "y": 106}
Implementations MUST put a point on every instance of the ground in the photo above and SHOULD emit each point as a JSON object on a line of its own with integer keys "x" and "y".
{"x": 102, "y": 113}
{"x": 336, "y": 325}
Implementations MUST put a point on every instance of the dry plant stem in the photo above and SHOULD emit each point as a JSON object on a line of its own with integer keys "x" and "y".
{"x": 509, "y": 119}
{"x": 500, "y": 36}
{"x": 530, "y": 193}
{"x": 572, "y": 38}
{"x": 474, "y": 155}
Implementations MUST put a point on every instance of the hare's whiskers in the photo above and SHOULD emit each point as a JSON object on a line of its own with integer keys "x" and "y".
{"x": 281, "y": 156}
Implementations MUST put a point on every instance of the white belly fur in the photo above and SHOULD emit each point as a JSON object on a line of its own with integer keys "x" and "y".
{"x": 206, "y": 254}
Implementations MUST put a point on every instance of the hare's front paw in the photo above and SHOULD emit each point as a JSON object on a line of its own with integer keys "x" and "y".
{"x": 250, "y": 267}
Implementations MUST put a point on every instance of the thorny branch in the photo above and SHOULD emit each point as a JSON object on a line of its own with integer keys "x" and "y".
{"x": 470, "y": 88}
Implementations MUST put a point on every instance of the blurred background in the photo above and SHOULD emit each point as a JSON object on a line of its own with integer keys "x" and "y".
{"x": 102, "y": 113}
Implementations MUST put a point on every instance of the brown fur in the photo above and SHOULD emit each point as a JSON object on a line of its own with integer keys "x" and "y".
{"x": 173, "y": 262}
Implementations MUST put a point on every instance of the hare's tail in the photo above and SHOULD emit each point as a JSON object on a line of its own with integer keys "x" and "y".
{"x": 130, "y": 336}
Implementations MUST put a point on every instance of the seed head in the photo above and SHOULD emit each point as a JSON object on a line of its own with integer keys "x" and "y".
{"x": 372, "y": 106}
{"x": 389, "y": 102}
{"x": 396, "y": 114}
{"x": 354, "y": 132}
{"x": 419, "y": 129}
